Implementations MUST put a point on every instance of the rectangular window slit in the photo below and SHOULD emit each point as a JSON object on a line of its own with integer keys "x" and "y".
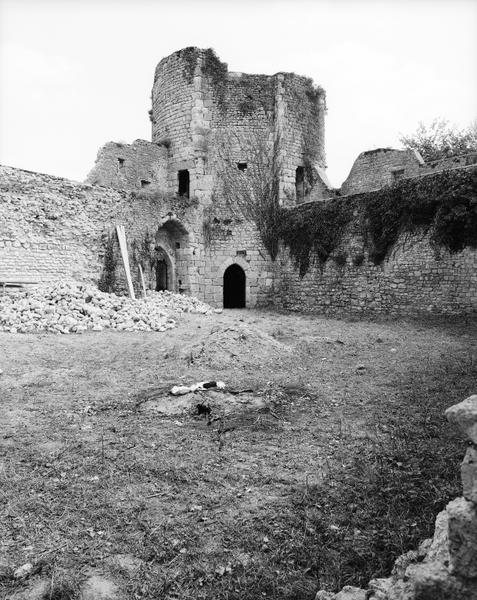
{"x": 300, "y": 184}
{"x": 184, "y": 183}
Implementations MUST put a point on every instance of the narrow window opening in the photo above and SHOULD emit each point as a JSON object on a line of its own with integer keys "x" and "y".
{"x": 120, "y": 164}
{"x": 178, "y": 245}
{"x": 242, "y": 166}
{"x": 397, "y": 174}
{"x": 300, "y": 184}
{"x": 184, "y": 183}
{"x": 145, "y": 183}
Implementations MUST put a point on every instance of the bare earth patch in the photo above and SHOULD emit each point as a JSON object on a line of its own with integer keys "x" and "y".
{"x": 109, "y": 481}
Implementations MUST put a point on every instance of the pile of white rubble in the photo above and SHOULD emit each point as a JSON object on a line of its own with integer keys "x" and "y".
{"x": 72, "y": 307}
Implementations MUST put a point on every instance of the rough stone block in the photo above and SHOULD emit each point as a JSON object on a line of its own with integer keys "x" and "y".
{"x": 468, "y": 472}
{"x": 462, "y": 516}
{"x": 464, "y": 415}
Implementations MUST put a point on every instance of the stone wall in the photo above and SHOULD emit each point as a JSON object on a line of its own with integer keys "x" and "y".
{"x": 417, "y": 278}
{"x": 374, "y": 169}
{"x": 452, "y": 162}
{"x": 52, "y": 228}
{"x": 133, "y": 166}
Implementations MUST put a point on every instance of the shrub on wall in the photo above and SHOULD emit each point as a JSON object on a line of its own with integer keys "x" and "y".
{"x": 442, "y": 205}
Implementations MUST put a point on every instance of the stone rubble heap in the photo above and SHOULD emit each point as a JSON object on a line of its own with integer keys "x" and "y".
{"x": 71, "y": 307}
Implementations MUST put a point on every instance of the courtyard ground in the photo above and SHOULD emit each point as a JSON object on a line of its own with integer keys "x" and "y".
{"x": 110, "y": 483}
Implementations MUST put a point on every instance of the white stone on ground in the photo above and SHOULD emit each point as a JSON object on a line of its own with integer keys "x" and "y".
{"x": 71, "y": 307}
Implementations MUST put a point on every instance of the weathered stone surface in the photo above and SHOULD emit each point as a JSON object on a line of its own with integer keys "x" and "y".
{"x": 468, "y": 472}
{"x": 463, "y": 537}
{"x": 324, "y": 595}
{"x": 464, "y": 415}
{"x": 349, "y": 592}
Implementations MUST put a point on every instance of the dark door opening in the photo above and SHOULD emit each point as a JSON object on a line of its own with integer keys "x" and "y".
{"x": 161, "y": 275}
{"x": 234, "y": 287}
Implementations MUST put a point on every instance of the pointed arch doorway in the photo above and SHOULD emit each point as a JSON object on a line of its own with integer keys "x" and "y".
{"x": 162, "y": 271}
{"x": 234, "y": 287}
{"x": 161, "y": 276}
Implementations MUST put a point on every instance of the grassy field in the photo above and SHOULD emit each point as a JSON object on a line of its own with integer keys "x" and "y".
{"x": 335, "y": 463}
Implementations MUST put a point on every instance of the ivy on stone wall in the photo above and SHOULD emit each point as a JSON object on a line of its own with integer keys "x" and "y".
{"x": 216, "y": 71}
{"x": 307, "y": 105}
{"x": 315, "y": 230}
{"x": 107, "y": 280}
{"x": 189, "y": 57}
{"x": 212, "y": 67}
{"x": 443, "y": 205}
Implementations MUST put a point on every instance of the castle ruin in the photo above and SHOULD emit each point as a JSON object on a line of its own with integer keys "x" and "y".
{"x": 220, "y": 143}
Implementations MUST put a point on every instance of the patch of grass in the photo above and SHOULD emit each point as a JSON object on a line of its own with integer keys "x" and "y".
{"x": 312, "y": 490}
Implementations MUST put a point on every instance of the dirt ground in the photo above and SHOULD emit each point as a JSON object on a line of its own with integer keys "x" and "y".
{"x": 108, "y": 479}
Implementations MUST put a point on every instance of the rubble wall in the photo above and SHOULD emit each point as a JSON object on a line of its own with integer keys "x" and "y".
{"x": 374, "y": 169}
{"x": 52, "y": 228}
{"x": 130, "y": 166}
{"x": 416, "y": 279}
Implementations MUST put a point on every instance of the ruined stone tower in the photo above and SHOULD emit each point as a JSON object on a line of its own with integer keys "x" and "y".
{"x": 206, "y": 120}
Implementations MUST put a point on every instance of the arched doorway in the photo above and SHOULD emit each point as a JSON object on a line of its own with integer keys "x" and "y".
{"x": 161, "y": 275}
{"x": 162, "y": 270}
{"x": 234, "y": 287}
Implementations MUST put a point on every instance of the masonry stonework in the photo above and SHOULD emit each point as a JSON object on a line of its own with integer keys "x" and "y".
{"x": 182, "y": 224}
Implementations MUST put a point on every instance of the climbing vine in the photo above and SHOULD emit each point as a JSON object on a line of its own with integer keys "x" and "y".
{"x": 216, "y": 71}
{"x": 189, "y": 57}
{"x": 308, "y": 101}
{"x": 315, "y": 230}
{"x": 443, "y": 205}
{"x": 107, "y": 280}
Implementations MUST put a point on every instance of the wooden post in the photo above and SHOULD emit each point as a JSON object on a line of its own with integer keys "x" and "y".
{"x": 142, "y": 281}
{"x": 124, "y": 254}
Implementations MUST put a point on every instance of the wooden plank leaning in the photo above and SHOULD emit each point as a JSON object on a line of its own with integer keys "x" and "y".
{"x": 141, "y": 273}
{"x": 124, "y": 253}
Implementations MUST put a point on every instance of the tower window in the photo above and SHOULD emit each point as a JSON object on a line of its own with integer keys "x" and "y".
{"x": 242, "y": 166}
{"x": 397, "y": 174}
{"x": 120, "y": 164}
{"x": 184, "y": 183}
{"x": 300, "y": 184}
{"x": 145, "y": 183}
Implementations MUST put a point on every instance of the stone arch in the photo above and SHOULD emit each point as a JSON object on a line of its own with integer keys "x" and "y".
{"x": 164, "y": 270}
{"x": 234, "y": 275}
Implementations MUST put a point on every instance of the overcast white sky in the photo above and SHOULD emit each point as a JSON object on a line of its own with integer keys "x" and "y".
{"x": 75, "y": 74}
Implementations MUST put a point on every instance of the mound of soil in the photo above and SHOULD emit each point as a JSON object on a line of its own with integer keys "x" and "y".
{"x": 227, "y": 344}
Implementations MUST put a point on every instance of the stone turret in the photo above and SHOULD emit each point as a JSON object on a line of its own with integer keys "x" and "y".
{"x": 197, "y": 103}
